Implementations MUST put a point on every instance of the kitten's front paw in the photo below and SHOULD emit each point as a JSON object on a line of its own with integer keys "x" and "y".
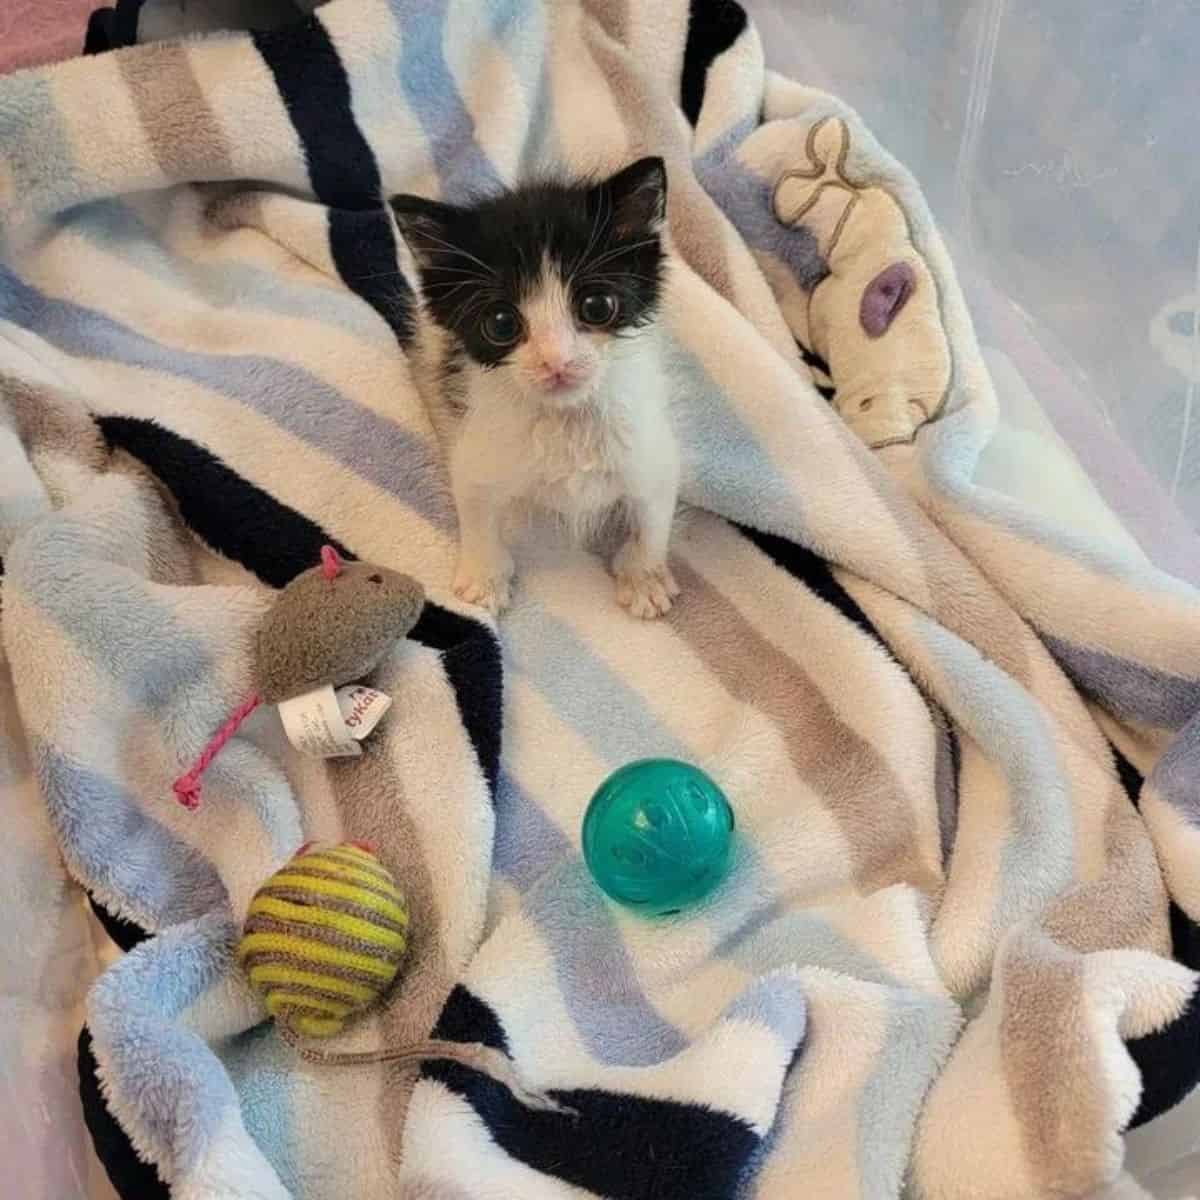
{"x": 490, "y": 589}
{"x": 646, "y": 592}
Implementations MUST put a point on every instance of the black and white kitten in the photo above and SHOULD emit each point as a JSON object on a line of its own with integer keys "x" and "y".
{"x": 548, "y": 380}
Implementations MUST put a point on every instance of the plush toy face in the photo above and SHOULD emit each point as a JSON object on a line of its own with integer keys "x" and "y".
{"x": 333, "y": 627}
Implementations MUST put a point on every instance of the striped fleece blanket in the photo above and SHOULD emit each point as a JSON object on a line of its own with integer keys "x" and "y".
{"x": 962, "y": 739}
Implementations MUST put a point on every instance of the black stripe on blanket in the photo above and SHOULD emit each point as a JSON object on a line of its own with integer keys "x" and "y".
{"x": 363, "y": 247}
{"x": 315, "y": 90}
{"x": 812, "y": 359}
{"x": 243, "y": 523}
{"x": 815, "y": 573}
{"x": 342, "y": 167}
{"x": 713, "y": 26}
{"x": 619, "y": 1145}
{"x": 1169, "y": 1060}
{"x": 822, "y": 380}
{"x": 130, "y": 1176}
{"x": 124, "y": 934}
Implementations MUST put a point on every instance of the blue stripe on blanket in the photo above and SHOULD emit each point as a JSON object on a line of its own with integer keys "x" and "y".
{"x": 376, "y": 449}
{"x": 1011, "y": 728}
{"x": 1131, "y": 691}
{"x": 528, "y": 844}
{"x": 33, "y": 134}
{"x": 134, "y": 1013}
{"x": 597, "y": 979}
{"x": 622, "y": 1146}
{"x": 111, "y": 835}
{"x": 746, "y": 198}
{"x": 750, "y": 486}
{"x": 117, "y": 229}
{"x": 614, "y": 717}
{"x": 432, "y": 92}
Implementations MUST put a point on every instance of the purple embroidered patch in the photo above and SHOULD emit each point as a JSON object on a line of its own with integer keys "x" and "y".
{"x": 884, "y": 297}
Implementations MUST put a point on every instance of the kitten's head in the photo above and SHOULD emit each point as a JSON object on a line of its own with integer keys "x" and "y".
{"x": 542, "y": 281}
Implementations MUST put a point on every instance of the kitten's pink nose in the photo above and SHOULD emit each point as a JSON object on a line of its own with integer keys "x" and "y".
{"x": 556, "y": 366}
{"x": 557, "y": 373}
{"x": 561, "y": 378}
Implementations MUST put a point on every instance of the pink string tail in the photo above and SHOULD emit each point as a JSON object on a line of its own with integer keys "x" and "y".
{"x": 187, "y": 787}
{"x": 331, "y": 562}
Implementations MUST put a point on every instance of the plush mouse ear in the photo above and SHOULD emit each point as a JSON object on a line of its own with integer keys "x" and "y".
{"x": 425, "y": 224}
{"x": 639, "y": 196}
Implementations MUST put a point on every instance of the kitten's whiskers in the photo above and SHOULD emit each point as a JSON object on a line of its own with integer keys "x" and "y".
{"x": 603, "y": 210}
{"x": 450, "y": 248}
{"x": 617, "y": 251}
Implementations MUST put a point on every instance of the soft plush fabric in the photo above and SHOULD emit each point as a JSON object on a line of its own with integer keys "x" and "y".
{"x": 945, "y": 944}
{"x": 324, "y": 630}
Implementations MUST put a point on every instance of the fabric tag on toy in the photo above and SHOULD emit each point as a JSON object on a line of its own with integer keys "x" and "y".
{"x": 330, "y": 724}
{"x": 315, "y": 725}
{"x": 362, "y": 708}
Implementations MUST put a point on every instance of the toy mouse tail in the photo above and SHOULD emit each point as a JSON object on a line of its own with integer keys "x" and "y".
{"x": 485, "y": 1059}
{"x": 187, "y": 787}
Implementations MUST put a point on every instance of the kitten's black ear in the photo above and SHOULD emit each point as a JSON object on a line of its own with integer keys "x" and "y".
{"x": 424, "y": 223}
{"x": 639, "y": 196}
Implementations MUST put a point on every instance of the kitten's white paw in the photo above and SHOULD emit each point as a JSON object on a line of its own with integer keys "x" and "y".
{"x": 646, "y": 592}
{"x": 487, "y": 589}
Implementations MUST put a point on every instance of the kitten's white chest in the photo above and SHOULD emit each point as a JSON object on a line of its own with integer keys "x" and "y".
{"x": 513, "y": 455}
{"x": 578, "y": 460}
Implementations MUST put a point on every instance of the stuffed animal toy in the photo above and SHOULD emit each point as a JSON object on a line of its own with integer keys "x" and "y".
{"x": 875, "y": 319}
{"x": 332, "y": 624}
{"x": 322, "y": 945}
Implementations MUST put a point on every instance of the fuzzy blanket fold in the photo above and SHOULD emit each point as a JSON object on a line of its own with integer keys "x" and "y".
{"x": 961, "y": 739}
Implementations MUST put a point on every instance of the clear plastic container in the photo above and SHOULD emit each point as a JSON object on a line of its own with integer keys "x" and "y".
{"x": 1057, "y": 145}
{"x": 1056, "y": 141}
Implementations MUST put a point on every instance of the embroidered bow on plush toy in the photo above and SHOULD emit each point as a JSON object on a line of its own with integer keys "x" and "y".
{"x": 331, "y": 625}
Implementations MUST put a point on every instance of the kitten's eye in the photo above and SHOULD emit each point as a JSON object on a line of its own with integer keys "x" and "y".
{"x": 502, "y": 326}
{"x": 598, "y": 308}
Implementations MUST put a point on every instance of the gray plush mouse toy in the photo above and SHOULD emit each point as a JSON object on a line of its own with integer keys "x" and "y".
{"x": 332, "y": 624}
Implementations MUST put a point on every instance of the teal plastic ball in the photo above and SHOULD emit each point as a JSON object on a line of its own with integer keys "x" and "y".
{"x": 658, "y": 835}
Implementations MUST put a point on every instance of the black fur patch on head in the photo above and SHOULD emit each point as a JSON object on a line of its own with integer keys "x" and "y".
{"x": 480, "y": 259}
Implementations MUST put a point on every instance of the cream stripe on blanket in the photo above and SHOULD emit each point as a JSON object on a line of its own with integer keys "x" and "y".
{"x": 943, "y": 960}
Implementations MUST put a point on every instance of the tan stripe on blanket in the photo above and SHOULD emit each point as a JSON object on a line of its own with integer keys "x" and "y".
{"x": 180, "y": 126}
{"x": 854, "y": 782}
